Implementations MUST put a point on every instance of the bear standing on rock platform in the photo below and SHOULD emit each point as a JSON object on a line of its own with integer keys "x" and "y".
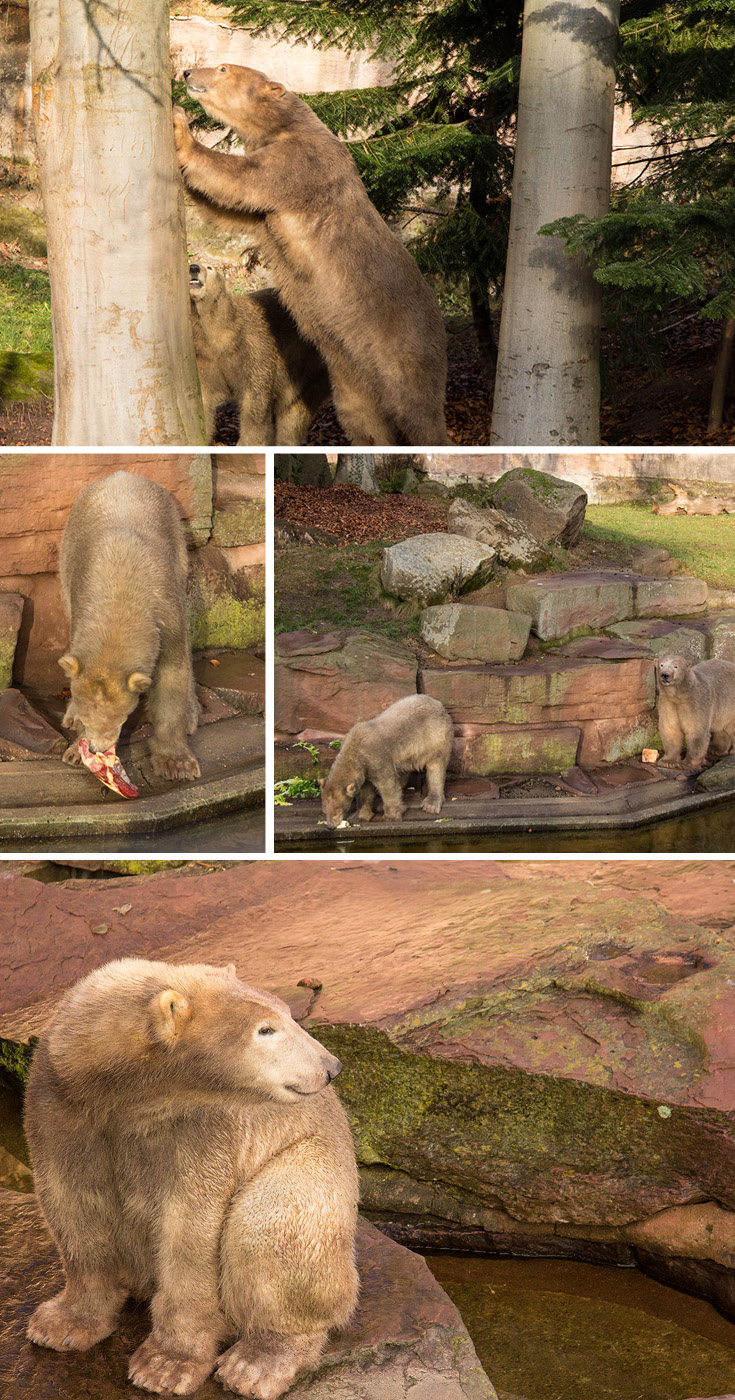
{"x": 695, "y": 704}
{"x": 349, "y": 283}
{"x": 188, "y": 1150}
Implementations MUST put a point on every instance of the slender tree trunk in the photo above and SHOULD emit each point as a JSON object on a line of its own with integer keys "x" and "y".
{"x": 721, "y": 376}
{"x": 547, "y": 386}
{"x": 125, "y": 370}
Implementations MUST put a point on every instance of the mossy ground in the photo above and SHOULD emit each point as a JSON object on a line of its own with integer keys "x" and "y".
{"x": 337, "y": 586}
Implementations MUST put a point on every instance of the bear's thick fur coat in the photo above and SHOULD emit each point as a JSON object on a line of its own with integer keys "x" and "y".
{"x": 347, "y": 280}
{"x": 188, "y": 1150}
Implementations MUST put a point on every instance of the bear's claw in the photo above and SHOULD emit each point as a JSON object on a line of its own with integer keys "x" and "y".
{"x": 161, "y": 1371}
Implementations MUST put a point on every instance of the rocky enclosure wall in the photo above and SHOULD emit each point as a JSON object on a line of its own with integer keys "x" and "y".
{"x": 606, "y": 477}
{"x": 221, "y": 500}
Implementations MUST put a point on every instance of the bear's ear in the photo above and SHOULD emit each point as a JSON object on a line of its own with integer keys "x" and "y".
{"x": 275, "y": 89}
{"x": 351, "y": 789}
{"x": 137, "y": 680}
{"x": 70, "y": 664}
{"x": 231, "y": 968}
{"x": 320, "y": 782}
{"x": 171, "y": 1011}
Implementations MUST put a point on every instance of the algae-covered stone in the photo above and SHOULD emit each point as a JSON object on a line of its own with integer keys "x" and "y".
{"x": 11, "y": 615}
{"x": 240, "y": 524}
{"x": 722, "y": 632}
{"x": 473, "y": 633}
{"x": 514, "y": 543}
{"x": 664, "y": 638}
{"x": 562, "y": 603}
{"x": 719, "y": 778}
{"x": 670, "y": 597}
{"x": 503, "y": 749}
{"x": 217, "y": 616}
{"x": 551, "y": 508}
{"x": 26, "y": 377}
{"x": 429, "y": 568}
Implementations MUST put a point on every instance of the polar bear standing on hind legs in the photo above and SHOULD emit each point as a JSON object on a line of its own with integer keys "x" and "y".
{"x": 349, "y": 283}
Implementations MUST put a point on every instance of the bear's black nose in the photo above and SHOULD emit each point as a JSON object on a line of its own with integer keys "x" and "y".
{"x": 187, "y": 71}
{"x": 194, "y": 270}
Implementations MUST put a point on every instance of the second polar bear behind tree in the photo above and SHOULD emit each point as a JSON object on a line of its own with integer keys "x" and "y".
{"x": 249, "y": 349}
{"x": 123, "y": 568}
{"x": 350, "y": 284}
{"x": 188, "y": 1150}
{"x": 696, "y": 707}
{"x": 378, "y": 755}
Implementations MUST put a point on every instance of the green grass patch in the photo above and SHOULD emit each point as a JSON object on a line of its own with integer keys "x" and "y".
{"x": 704, "y": 544}
{"x": 336, "y": 587}
{"x": 25, "y": 309}
{"x": 26, "y": 227}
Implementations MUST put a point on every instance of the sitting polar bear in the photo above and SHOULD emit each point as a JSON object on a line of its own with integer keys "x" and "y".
{"x": 378, "y": 756}
{"x": 187, "y": 1149}
{"x": 695, "y": 704}
{"x": 249, "y": 348}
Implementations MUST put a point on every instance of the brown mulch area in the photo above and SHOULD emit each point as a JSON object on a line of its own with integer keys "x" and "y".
{"x": 26, "y": 424}
{"x": 348, "y": 512}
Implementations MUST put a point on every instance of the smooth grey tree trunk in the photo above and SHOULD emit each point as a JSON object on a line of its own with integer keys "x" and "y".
{"x": 547, "y": 385}
{"x": 125, "y": 369}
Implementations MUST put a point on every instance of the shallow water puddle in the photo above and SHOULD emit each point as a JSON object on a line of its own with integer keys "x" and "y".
{"x": 553, "y": 1330}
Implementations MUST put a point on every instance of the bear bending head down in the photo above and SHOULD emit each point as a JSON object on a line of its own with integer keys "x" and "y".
{"x": 188, "y": 1149}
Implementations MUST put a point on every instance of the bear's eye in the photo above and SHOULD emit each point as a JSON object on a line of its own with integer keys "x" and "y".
{"x": 266, "y": 1030}
{"x": 223, "y": 68}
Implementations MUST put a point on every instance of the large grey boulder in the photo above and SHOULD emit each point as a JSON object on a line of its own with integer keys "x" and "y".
{"x": 459, "y": 632}
{"x": 515, "y": 544}
{"x": 552, "y": 509}
{"x": 357, "y": 469}
{"x": 429, "y": 568}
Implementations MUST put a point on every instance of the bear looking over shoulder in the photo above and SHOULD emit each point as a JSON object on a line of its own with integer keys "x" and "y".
{"x": 187, "y": 1149}
{"x": 348, "y": 281}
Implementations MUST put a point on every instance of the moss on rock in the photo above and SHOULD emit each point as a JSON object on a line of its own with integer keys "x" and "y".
{"x": 26, "y": 377}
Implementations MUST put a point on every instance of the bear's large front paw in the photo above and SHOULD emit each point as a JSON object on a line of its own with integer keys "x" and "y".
{"x": 183, "y": 139}
{"x": 175, "y": 766}
{"x": 72, "y": 755}
{"x": 432, "y": 805}
{"x": 260, "y": 1375}
{"x": 152, "y": 1368}
{"x": 54, "y": 1324}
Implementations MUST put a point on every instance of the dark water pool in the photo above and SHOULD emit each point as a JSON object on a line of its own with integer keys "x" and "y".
{"x": 550, "y": 1329}
{"x": 709, "y": 832}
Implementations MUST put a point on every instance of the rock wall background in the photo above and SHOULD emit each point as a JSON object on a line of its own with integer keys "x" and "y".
{"x": 221, "y": 500}
{"x": 606, "y": 477}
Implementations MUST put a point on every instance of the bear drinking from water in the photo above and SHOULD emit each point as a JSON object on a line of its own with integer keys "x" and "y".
{"x": 378, "y": 756}
{"x": 123, "y": 579}
{"x": 696, "y": 704}
{"x": 248, "y": 348}
{"x": 349, "y": 283}
{"x": 188, "y": 1150}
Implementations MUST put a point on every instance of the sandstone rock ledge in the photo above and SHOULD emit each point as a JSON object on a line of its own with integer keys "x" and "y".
{"x": 407, "y": 1337}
